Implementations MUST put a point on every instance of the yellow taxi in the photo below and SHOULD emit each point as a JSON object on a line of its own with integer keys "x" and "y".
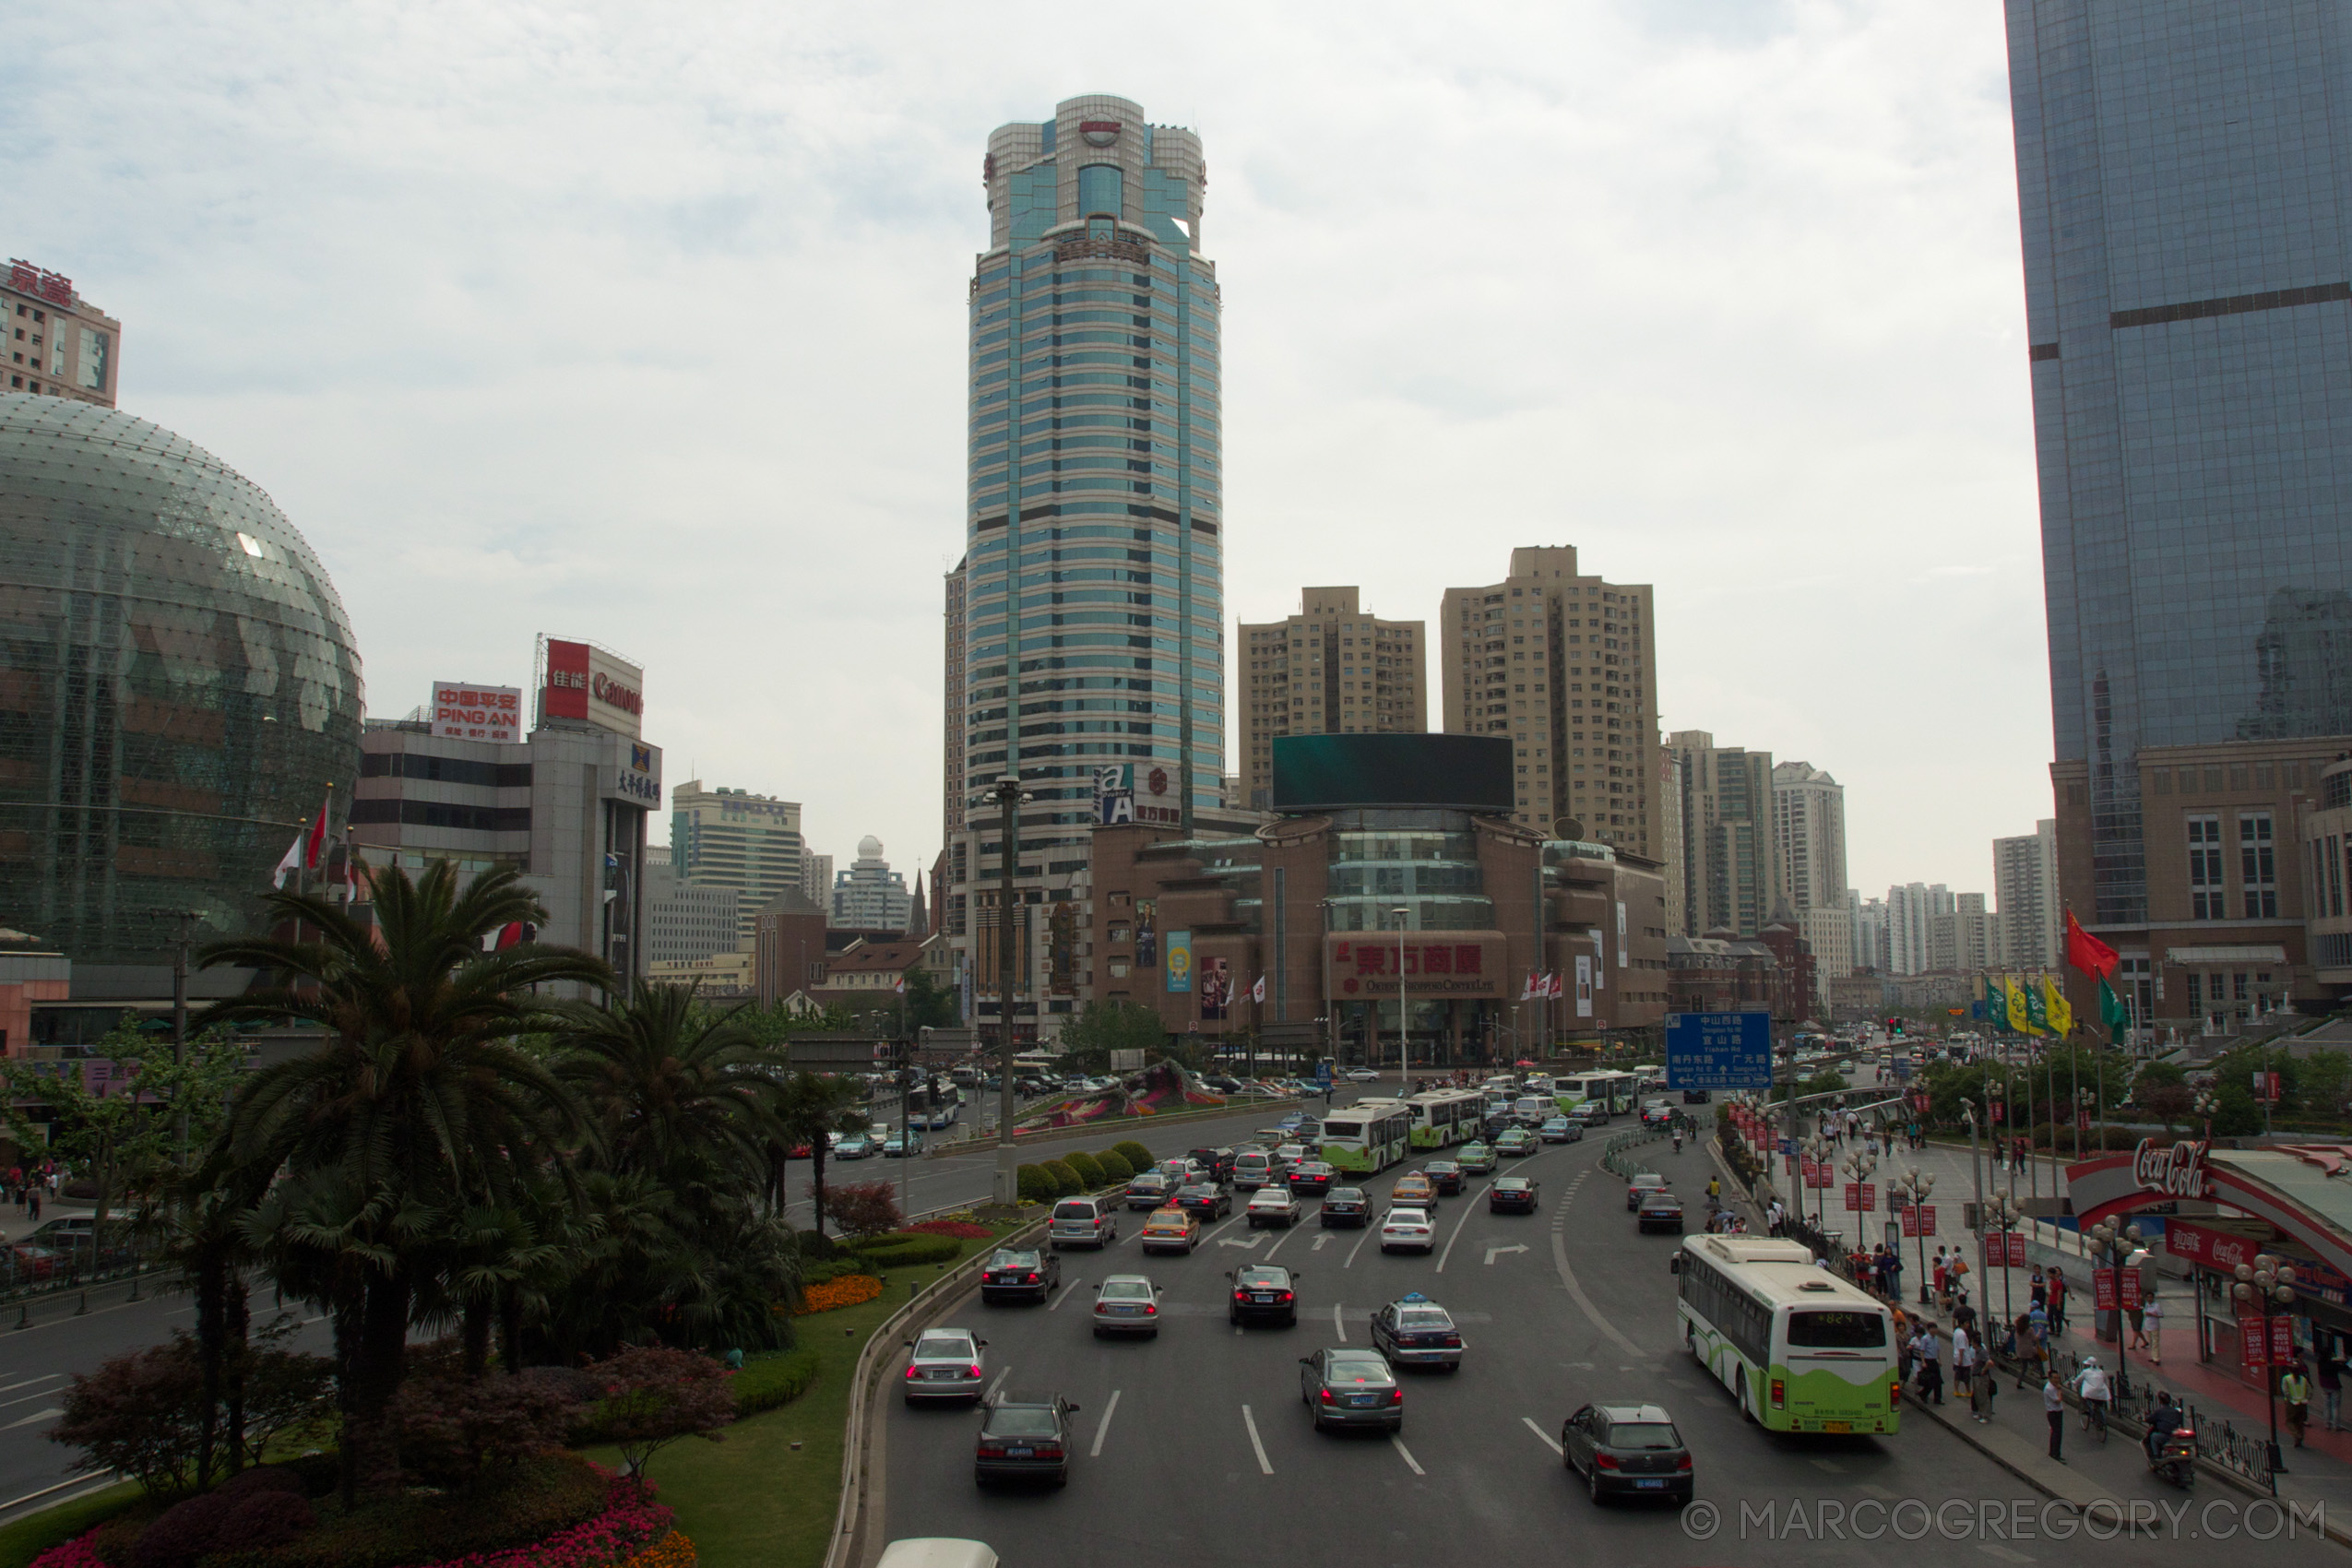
{"x": 1415, "y": 1191}
{"x": 1171, "y": 1230}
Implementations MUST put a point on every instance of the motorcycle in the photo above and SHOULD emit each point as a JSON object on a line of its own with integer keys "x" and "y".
{"x": 2174, "y": 1456}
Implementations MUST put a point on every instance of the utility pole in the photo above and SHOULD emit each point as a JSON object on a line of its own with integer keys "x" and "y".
{"x": 1008, "y": 796}
{"x": 184, "y": 919}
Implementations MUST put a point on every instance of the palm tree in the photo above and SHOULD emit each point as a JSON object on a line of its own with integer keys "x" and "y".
{"x": 673, "y": 1088}
{"x": 420, "y": 1102}
{"x": 812, "y": 1107}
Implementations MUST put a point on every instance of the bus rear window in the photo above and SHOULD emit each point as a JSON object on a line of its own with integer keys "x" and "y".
{"x": 1342, "y": 1129}
{"x": 1836, "y": 1331}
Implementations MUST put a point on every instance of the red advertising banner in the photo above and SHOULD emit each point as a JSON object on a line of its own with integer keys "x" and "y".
{"x": 1853, "y": 1197}
{"x": 2282, "y": 1341}
{"x": 1810, "y": 1167}
{"x": 2083, "y": 1120}
{"x": 1919, "y": 1219}
{"x": 2130, "y": 1289}
{"x": 2103, "y": 1289}
{"x": 2252, "y": 1341}
{"x": 2017, "y": 1249}
{"x": 1824, "y": 1176}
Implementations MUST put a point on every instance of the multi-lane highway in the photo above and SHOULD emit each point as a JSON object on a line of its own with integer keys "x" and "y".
{"x": 1194, "y": 1449}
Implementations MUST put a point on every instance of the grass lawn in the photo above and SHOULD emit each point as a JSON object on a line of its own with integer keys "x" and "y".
{"x": 28, "y": 1538}
{"x": 752, "y": 1501}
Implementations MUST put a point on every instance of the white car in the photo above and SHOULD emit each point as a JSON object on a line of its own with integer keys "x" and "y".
{"x": 1126, "y": 1303}
{"x": 1274, "y": 1206}
{"x": 946, "y": 1363}
{"x": 1408, "y": 1230}
{"x": 1362, "y": 1075}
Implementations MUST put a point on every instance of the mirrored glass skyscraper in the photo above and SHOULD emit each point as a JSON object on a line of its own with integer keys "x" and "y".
{"x": 2185, "y": 184}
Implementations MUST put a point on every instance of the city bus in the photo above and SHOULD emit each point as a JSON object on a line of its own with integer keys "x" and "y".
{"x": 1447, "y": 1116}
{"x": 1615, "y": 1090}
{"x": 1368, "y": 1137}
{"x": 1800, "y": 1349}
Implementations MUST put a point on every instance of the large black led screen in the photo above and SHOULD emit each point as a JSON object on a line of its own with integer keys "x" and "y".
{"x": 1331, "y": 772}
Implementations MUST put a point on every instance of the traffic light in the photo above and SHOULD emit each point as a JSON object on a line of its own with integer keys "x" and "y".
{"x": 1895, "y": 1027}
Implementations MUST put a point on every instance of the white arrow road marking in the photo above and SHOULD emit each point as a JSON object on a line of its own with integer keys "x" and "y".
{"x": 1248, "y": 1246}
{"x": 1406, "y": 1453}
{"x": 1250, "y": 1422}
{"x": 1336, "y": 1325}
{"x": 36, "y": 1416}
{"x": 1492, "y": 1252}
{"x": 1542, "y": 1436}
{"x": 1320, "y": 1242}
{"x": 1104, "y": 1430}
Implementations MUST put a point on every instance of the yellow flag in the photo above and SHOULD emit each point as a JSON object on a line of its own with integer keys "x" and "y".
{"x": 2020, "y": 1017}
{"x": 2057, "y": 1009}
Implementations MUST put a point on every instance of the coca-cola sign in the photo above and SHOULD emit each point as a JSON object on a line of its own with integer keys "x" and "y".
{"x": 2178, "y": 1170}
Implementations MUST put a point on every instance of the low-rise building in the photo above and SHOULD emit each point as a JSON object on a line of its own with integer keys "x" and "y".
{"x": 721, "y": 975}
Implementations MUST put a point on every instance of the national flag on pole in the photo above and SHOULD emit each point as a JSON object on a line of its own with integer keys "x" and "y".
{"x": 1556, "y": 986}
{"x": 1527, "y": 991}
{"x": 315, "y": 839}
{"x": 2014, "y": 1009}
{"x": 1257, "y": 991}
{"x": 2086, "y": 952}
{"x": 2038, "y": 1017}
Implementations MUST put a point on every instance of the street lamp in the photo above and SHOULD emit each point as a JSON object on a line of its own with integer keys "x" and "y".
{"x": 2009, "y": 1211}
{"x": 1858, "y": 1166}
{"x": 2113, "y": 1240}
{"x": 2205, "y": 1104}
{"x": 1824, "y": 1151}
{"x": 1913, "y": 1188}
{"x": 1404, "y": 1027}
{"x": 1009, "y": 797}
{"x": 2264, "y": 1281}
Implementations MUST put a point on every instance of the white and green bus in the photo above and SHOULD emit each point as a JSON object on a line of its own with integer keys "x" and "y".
{"x": 1618, "y": 1091}
{"x": 1442, "y": 1116}
{"x": 1368, "y": 1137}
{"x": 1800, "y": 1349}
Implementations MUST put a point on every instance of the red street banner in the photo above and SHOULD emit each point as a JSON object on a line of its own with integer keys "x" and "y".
{"x": 2103, "y": 1289}
{"x": 2254, "y": 1340}
{"x": 1811, "y": 1167}
{"x": 1854, "y": 1197}
{"x": 2083, "y": 1120}
{"x": 2282, "y": 1341}
{"x": 2130, "y": 1291}
{"x": 1824, "y": 1176}
{"x": 2017, "y": 1249}
{"x": 1919, "y": 1219}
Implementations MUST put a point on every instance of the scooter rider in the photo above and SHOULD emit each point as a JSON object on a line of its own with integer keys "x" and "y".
{"x": 2164, "y": 1417}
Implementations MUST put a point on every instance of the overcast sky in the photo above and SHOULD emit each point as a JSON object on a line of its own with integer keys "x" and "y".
{"x": 646, "y": 325}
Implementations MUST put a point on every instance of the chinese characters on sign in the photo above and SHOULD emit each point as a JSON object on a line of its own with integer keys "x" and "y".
{"x": 1718, "y": 1051}
{"x": 1861, "y": 1197}
{"x": 1919, "y": 1219}
{"x": 54, "y": 287}
{"x": 1371, "y": 966}
{"x": 466, "y": 712}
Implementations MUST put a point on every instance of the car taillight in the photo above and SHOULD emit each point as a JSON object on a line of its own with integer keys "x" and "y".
{"x": 1286, "y": 1295}
{"x": 1050, "y": 1451}
{"x": 1682, "y": 1463}
{"x": 972, "y": 1371}
{"x": 1453, "y": 1341}
{"x": 1895, "y": 1395}
{"x": 913, "y": 1373}
{"x": 1033, "y": 1279}
{"x": 1327, "y": 1396}
{"x": 1779, "y": 1393}
{"x": 1605, "y": 1461}
{"x": 992, "y": 1450}
{"x": 1397, "y": 1396}
{"x": 1240, "y": 1294}
{"x": 1149, "y": 1309}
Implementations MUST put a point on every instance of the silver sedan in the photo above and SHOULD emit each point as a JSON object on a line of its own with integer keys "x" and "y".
{"x": 945, "y": 1364}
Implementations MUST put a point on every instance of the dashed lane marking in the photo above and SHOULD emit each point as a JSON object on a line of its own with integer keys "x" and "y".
{"x": 1544, "y": 1437}
{"x": 995, "y": 1385}
{"x": 1406, "y": 1453}
{"x": 36, "y": 1416}
{"x": 1357, "y": 1248}
{"x": 1103, "y": 1429}
{"x": 1336, "y": 1325}
{"x": 1067, "y": 1286}
{"x": 1264, "y": 1469}
{"x": 45, "y": 1377}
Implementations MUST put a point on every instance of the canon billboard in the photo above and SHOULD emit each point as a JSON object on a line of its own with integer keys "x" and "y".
{"x": 584, "y": 682}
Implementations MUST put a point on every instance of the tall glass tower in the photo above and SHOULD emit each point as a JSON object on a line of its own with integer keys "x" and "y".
{"x": 1091, "y": 593}
{"x": 2184, "y": 175}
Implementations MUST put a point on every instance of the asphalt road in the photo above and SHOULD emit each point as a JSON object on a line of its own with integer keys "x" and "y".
{"x": 1194, "y": 1449}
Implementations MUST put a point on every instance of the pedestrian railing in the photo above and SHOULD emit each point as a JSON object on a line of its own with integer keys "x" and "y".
{"x": 1617, "y": 1154}
{"x": 2243, "y": 1454}
{"x": 73, "y": 1269}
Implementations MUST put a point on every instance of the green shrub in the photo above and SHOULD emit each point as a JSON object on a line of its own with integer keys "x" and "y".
{"x": 899, "y": 1250}
{"x": 816, "y": 1246}
{"x": 769, "y": 1381}
{"x": 1114, "y": 1168}
{"x": 543, "y": 1495}
{"x": 1085, "y": 1164}
{"x": 1038, "y": 1185}
{"x": 1066, "y": 1181}
{"x": 819, "y": 1273}
{"x": 1139, "y": 1158}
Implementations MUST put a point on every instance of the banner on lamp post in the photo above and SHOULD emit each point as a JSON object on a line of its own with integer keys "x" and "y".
{"x": 2282, "y": 1341}
{"x": 2103, "y": 1294}
{"x": 1919, "y": 1219}
{"x": 1860, "y": 1196}
{"x": 2128, "y": 1288}
{"x": 2255, "y": 1341}
{"x": 2017, "y": 1249}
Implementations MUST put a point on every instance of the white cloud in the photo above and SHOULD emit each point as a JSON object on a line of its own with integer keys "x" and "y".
{"x": 646, "y": 326}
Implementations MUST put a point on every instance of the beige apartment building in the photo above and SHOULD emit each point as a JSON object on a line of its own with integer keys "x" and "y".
{"x": 1566, "y": 664}
{"x": 1332, "y": 669}
{"x": 59, "y": 344}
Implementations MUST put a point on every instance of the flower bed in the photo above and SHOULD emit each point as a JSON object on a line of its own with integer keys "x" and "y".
{"x": 834, "y": 1294}
{"x": 962, "y": 1230}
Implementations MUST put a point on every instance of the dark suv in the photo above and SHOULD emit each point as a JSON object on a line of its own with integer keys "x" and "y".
{"x": 1220, "y": 1161}
{"x": 1263, "y": 1293}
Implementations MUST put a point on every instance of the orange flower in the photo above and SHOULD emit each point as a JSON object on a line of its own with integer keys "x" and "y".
{"x": 846, "y": 1291}
{"x": 672, "y": 1550}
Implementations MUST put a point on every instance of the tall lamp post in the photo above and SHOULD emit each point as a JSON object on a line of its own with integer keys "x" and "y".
{"x": 1824, "y": 1151}
{"x": 2260, "y": 1284}
{"x": 1913, "y": 1187}
{"x": 2114, "y": 1241}
{"x": 2009, "y": 1211}
{"x": 1858, "y": 1166}
{"x": 1404, "y": 1025}
{"x": 1009, "y": 797}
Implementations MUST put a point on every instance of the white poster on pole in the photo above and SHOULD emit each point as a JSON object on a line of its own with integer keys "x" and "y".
{"x": 1584, "y": 985}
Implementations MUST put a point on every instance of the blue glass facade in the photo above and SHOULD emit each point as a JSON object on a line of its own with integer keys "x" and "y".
{"x": 2185, "y": 186}
{"x": 1093, "y": 597}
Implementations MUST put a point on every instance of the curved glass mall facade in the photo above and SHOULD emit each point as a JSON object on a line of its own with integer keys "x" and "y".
{"x": 178, "y": 687}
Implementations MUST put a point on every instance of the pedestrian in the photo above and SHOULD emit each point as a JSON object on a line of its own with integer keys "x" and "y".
{"x": 2054, "y": 1408}
{"x": 2138, "y": 1317}
{"x": 2296, "y": 1390}
{"x": 2057, "y": 1301}
{"x": 1928, "y": 1348}
{"x": 2331, "y": 1382}
{"x": 33, "y": 1204}
{"x": 1938, "y": 1275}
{"x": 1956, "y": 1279}
{"x": 1964, "y": 1367}
{"x": 1714, "y": 1188}
{"x": 1776, "y": 1216}
{"x": 1895, "y": 1274}
{"x": 2152, "y": 1317}
{"x": 2037, "y": 1289}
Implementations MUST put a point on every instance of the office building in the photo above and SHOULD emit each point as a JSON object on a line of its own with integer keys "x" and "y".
{"x": 1870, "y": 934}
{"x": 2024, "y": 889}
{"x": 870, "y": 896}
{"x": 1332, "y": 669}
{"x": 1731, "y": 870}
{"x": 1910, "y": 909}
{"x": 1565, "y": 664}
{"x": 816, "y": 878}
{"x": 733, "y": 838}
{"x": 2187, "y": 273}
{"x": 59, "y": 344}
{"x": 685, "y": 923}
{"x": 1667, "y": 806}
{"x": 1966, "y": 940}
{"x": 953, "y": 720}
{"x": 1809, "y": 818}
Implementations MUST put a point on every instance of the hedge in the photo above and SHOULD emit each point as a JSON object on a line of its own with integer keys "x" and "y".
{"x": 1066, "y": 1181}
{"x": 1114, "y": 1168}
{"x": 1139, "y": 1158}
{"x": 1038, "y": 1185}
{"x": 899, "y": 1250}
{"x": 1089, "y": 1171}
{"x": 767, "y": 1382}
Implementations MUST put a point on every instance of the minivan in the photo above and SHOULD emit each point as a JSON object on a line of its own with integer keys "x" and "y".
{"x": 1083, "y": 1222}
{"x": 1253, "y": 1168}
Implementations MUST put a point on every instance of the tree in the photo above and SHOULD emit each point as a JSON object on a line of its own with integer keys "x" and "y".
{"x": 931, "y": 1005}
{"x": 1105, "y": 1027}
{"x": 811, "y": 1108}
{"x": 675, "y": 1092}
{"x": 654, "y": 1395}
{"x": 420, "y": 1103}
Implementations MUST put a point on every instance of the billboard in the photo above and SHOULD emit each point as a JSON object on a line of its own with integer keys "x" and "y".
{"x": 1428, "y": 963}
{"x": 1216, "y": 987}
{"x": 465, "y": 711}
{"x": 583, "y": 682}
{"x": 1180, "y": 960}
{"x": 1331, "y": 772}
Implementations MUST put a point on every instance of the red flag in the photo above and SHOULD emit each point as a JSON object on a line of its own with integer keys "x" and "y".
{"x": 2086, "y": 952}
{"x": 315, "y": 839}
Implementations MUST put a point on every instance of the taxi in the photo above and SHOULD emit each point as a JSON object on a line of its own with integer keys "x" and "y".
{"x": 1171, "y": 1230}
{"x": 1413, "y": 1191}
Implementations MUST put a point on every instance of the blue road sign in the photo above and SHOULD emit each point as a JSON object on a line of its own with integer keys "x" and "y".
{"x": 1718, "y": 1051}
{"x": 1323, "y": 1072}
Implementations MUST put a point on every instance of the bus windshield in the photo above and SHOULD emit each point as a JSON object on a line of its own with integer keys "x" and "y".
{"x": 1836, "y": 1330}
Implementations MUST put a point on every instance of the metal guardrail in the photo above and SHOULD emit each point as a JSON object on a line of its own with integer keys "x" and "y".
{"x": 2222, "y": 1445}
{"x": 1616, "y": 1156}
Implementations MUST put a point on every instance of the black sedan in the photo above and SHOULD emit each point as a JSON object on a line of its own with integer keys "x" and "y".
{"x": 1148, "y": 1191}
{"x": 1218, "y": 1161}
{"x": 1627, "y": 1451}
{"x": 1346, "y": 1205}
{"x": 1351, "y": 1388}
{"x": 1020, "y": 1274}
{"x": 1263, "y": 1293}
{"x": 1312, "y": 1177}
{"x": 1414, "y": 1331}
{"x": 1661, "y": 1211}
{"x": 1024, "y": 1437}
{"x": 1206, "y": 1199}
{"x": 1446, "y": 1175}
{"x": 1512, "y": 1195}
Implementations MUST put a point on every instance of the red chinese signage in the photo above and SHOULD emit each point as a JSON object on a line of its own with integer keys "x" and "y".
{"x": 54, "y": 287}
{"x": 1824, "y": 1176}
{"x": 1860, "y": 1196}
{"x": 2252, "y": 1341}
{"x": 2017, "y": 1249}
{"x": 1469, "y": 964}
{"x": 1919, "y": 1219}
{"x": 2103, "y": 1289}
{"x": 2129, "y": 1283}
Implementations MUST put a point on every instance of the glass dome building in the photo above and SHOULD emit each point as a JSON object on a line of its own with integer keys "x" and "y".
{"x": 178, "y": 684}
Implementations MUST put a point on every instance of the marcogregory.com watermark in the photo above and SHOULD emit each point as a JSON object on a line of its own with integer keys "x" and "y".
{"x": 2004, "y": 1520}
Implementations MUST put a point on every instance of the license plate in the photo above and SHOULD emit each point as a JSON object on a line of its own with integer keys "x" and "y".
{"x": 1263, "y": 1300}
{"x": 1837, "y": 1426}
{"x": 1651, "y": 1484}
{"x": 938, "y": 1372}
{"x": 1020, "y": 1453}
{"x": 1362, "y": 1400}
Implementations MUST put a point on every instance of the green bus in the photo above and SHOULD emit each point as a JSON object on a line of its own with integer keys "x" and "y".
{"x": 1799, "y": 1348}
{"x": 1616, "y": 1091}
{"x": 1368, "y": 1137}
{"x": 1443, "y": 1117}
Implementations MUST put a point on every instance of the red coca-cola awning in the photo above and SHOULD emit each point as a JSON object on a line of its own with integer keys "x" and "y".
{"x": 2300, "y": 1188}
